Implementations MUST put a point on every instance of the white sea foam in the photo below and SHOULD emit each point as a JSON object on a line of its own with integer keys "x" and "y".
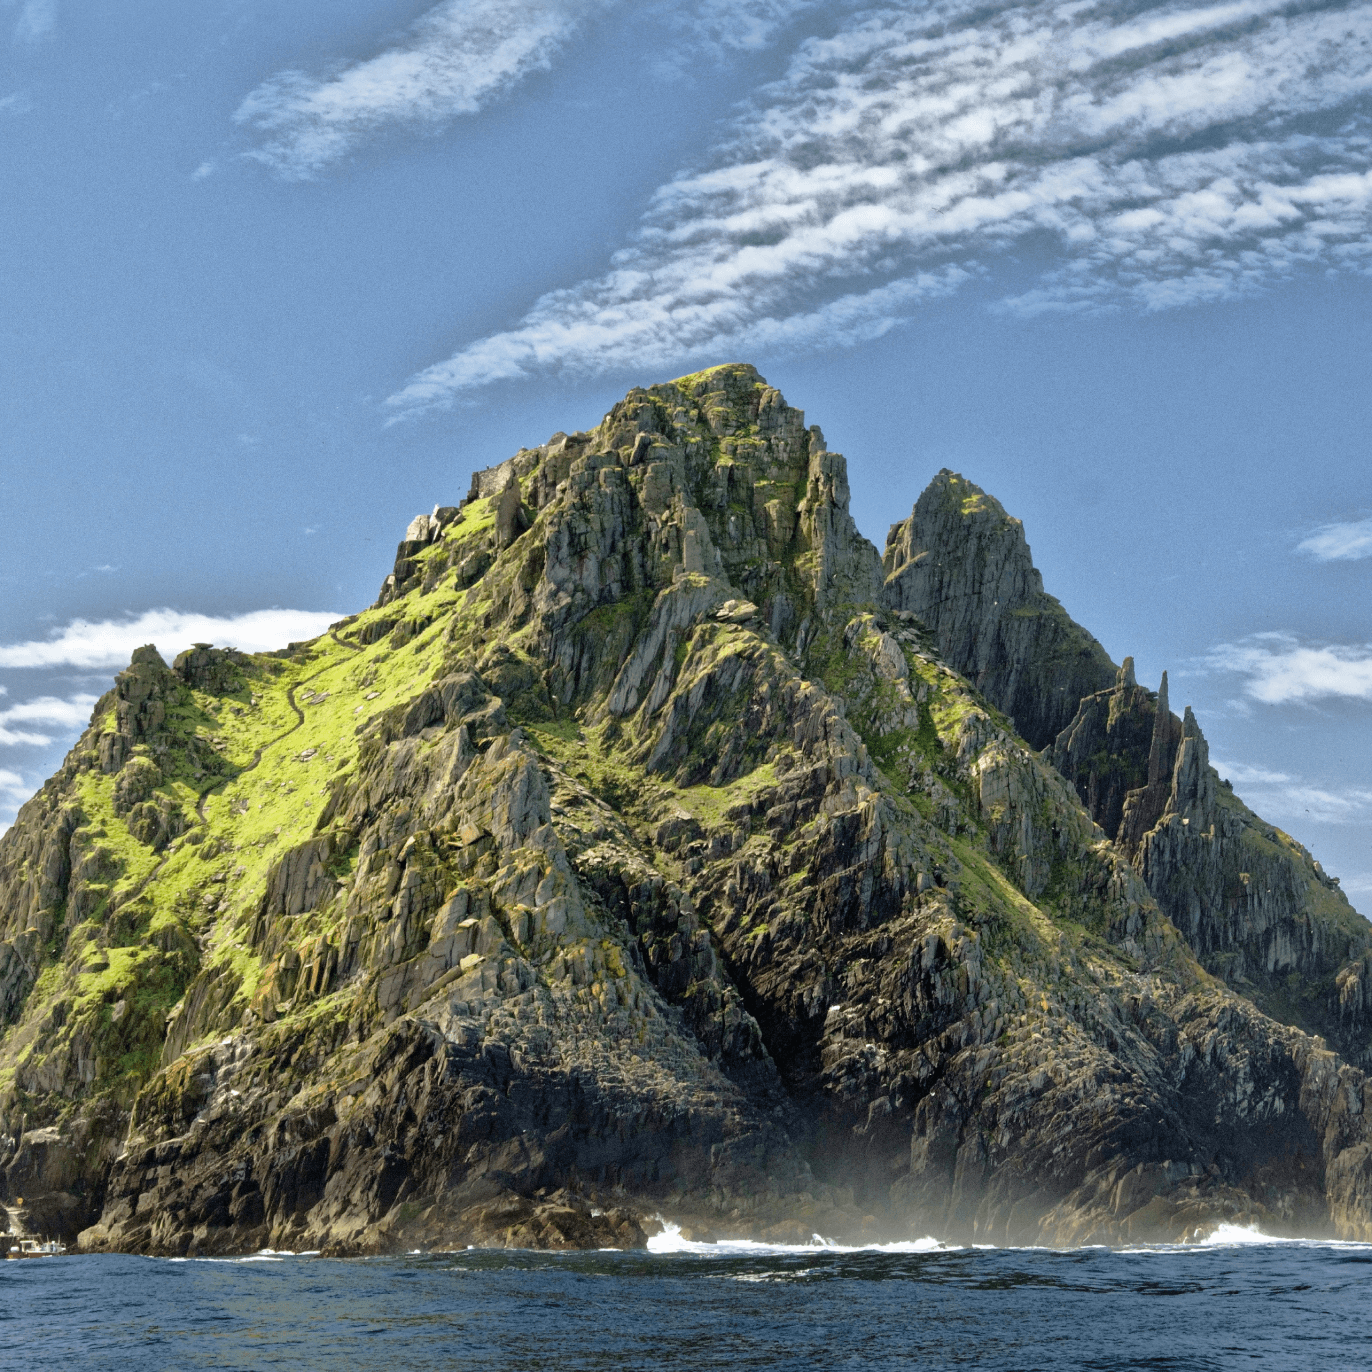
{"x": 671, "y": 1241}
{"x": 1229, "y": 1235}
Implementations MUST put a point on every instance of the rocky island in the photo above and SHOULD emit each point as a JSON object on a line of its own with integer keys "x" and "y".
{"x": 656, "y": 846}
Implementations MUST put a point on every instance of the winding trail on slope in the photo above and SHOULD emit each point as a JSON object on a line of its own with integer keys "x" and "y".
{"x": 122, "y": 900}
{"x": 271, "y": 743}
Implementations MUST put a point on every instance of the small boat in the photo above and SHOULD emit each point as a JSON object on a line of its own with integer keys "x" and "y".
{"x": 37, "y": 1248}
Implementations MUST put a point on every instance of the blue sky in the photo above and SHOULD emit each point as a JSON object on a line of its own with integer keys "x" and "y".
{"x": 276, "y": 278}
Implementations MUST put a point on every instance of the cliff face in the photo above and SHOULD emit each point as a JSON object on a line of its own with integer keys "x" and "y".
{"x": 1255, "y": 906}
{"x": 1252, "y": 903}
{"x": 961, "y": 564}
{"x": 641, "y": 850}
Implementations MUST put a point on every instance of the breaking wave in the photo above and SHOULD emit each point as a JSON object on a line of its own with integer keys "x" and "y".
{"x": 670, "y": 1240}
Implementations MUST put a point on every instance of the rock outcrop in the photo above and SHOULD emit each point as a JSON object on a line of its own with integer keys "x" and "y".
{"x": 961, "y": 564}
{"x": 1253, "y": 904}
{"x": 645, "y": 849}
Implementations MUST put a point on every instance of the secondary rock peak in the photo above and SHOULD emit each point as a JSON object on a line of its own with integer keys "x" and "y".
{"x": 962, "y": 565}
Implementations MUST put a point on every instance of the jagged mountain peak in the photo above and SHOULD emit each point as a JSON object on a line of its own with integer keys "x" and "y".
{"x": 949, "y": 492}
{"x": 962, "y": 565}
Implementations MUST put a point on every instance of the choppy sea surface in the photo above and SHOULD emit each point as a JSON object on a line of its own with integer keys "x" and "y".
{"x": 1237, "y": 1300}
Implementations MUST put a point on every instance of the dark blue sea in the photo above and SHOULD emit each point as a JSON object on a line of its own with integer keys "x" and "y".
{"x": 1234, "y": 1302}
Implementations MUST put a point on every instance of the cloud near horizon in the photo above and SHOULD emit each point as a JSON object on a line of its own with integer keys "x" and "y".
{"x": 68, "y": 716}
{"x": 109, "y": 643}
{"x": 1167, "y": 156}
{"x": 1342, "y": 542}
{"x": 1293, "y": 798}
{"x": 1281, "y": 670}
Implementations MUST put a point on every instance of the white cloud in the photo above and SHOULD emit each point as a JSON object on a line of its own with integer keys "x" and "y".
{"x": 16, "y": 738}
{"x": 36, "y": 21}
{"x": 739, "y": 24}
{"x": 109, "y": 643}
{"x": 1339, "y": 542}
{"x": 1281, "y": 670}
{"x": 202, "y": 171}
{"x": 1295, "y": 799}
{"x": 456, "y": 58}
{"x": 69, "y": 716}
{"x": 16, "y": 103}
{"x": 1169, "y": 155}
{"x": 550, "y": 338}
{"x": 14, "y": 791}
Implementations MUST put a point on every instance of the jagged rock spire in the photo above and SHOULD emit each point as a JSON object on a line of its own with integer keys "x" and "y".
{"x": 1159, "y": 755}
{"x": 1193, "y": 786}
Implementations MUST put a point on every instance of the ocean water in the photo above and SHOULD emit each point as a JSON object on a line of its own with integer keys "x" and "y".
{"x": 1236, "y": 1301}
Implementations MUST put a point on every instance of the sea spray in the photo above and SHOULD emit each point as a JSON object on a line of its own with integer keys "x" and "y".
{"x": 670, "y": 1240}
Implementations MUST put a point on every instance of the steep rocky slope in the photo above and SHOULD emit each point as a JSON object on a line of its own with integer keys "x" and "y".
{"x": 1254, "y": 905}
{"x": 644, "y": 849}
{"x": 961, "y": 564}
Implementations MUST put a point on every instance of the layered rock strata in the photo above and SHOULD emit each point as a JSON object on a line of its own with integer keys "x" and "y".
{"x": 645, "y": 850}
{"x": 962, "y": 565}
{"x": 1254, "y": 905}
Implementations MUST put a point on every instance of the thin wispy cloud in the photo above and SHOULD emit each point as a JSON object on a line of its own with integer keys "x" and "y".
{"x": 109, "y": 643}
{"x": 1280, "y": 669}
{"x": 36, "y": 20}
{"x": 1293, "y": 798}
{"x": 1339, "y": 542}
{"x": 739, "y": 24}
{"x": 1166, "y": 156}
{"x": 458, "y": 57}
{"x": 14, "y": 791}
{"x": 66, "y": 716}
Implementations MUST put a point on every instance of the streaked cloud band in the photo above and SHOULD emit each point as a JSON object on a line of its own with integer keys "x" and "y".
{"x": 1167, "y": 156}
{"x": 456, "y": 59}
